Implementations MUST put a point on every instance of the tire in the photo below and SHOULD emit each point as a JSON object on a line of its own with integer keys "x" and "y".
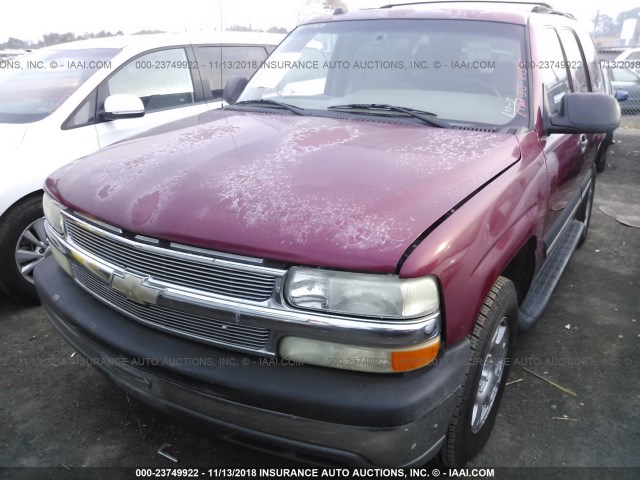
{"x": 601, "y": 159}
{"x": 584, "y": 211}
{"x": 492, "y": 342}
{"x": 22, "y": 238}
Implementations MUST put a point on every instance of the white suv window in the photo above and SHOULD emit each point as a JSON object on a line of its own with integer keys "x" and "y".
{"x": 31, "y": 94}
{"x": 162, "y": 80}
{"x": 218, "y": 64}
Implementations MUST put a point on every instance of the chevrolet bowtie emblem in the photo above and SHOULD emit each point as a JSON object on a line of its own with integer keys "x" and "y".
{"x": 135, "y": 288}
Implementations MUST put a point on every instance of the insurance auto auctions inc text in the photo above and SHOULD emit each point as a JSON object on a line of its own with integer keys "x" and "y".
{"x": 373, "y": 473}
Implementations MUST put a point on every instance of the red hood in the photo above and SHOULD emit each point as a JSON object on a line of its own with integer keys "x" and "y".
{"x": 307, "y": 190}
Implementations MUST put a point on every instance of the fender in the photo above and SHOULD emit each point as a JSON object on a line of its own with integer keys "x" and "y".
{"x": 469, "y": 250}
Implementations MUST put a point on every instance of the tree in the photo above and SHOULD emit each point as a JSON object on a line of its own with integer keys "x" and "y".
{"x": 144, "y": 32}
{"x": 333, "y": 4}
{"x": 14, "y": 43}
{"x": 241, "y": 28}
{"x": 605, "y": 26}
{"x": 315, "y": 8}
{"x": 57, "y": 38}
{"x": 277, "y": 30}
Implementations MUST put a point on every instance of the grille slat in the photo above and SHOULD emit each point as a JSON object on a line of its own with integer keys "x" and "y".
{"x": 114, "y": 248}
{"x": 185, "y": 272}
{"x": 192, "y": 271}
{"x": 184, "y": 323}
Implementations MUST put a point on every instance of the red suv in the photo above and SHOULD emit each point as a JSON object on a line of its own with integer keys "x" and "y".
{"x": 337, "y": 263}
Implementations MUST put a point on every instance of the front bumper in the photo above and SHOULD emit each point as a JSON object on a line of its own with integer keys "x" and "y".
{"x": 341, "y": 417}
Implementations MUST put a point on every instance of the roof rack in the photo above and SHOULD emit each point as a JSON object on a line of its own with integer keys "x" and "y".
{"x": 538, "y": 7}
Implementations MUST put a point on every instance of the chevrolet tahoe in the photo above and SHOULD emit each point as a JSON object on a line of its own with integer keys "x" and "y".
{"x": 338, "y": 263}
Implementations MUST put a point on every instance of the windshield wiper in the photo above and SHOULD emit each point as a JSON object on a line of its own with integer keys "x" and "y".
{"x": 266, "y": 101}
{"x": 427, "y": 117}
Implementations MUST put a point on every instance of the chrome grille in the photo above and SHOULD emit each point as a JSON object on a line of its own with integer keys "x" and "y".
{"x": 201, "y": 274}
{"x": 177, "y": 322}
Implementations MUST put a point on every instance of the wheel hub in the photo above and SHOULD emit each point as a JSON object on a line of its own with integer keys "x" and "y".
{"x": 491, "y": 376}
{"x": 31, "y": 249}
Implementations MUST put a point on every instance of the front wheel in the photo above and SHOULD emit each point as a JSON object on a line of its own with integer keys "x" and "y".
{"x": 23, "y": 244}
{"x": 492, "y": 341}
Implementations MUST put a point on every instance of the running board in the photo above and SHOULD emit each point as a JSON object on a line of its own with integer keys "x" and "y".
{"x": 548, "y": 277}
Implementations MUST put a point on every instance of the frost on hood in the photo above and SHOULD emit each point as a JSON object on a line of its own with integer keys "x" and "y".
{"x": 452, "y": 151}
{"x": 249, "y": 193}
{"x": 133, "y": 161}
{"x": 145, "y": 160}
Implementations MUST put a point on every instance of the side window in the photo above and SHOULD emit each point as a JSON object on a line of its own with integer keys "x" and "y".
{"x": 591, "y": 57}
{"x": 161, "y": 79}
{"x": 576, "y": 62}
{"x": 633, "y": 56}
{"x": 624, "y": 75}
{"x": 554, "y": 75}
{"x": 218, "y": 64}
{"x": 84, "y": 115}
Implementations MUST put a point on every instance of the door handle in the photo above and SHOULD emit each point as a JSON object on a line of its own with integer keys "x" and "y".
{"x": 584, "y": 142}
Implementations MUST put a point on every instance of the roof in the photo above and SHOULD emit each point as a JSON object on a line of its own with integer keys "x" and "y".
{"x": 498, "y": 11}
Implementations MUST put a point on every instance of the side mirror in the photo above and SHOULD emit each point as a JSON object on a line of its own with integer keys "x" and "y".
{"x": 122, "y": 105}
{"x": 621, "y": 95}
{"x": 585, "y": 113}
{"x": 233, "y": 89}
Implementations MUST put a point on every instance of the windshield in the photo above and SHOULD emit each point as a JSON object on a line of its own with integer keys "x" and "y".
{"x": 39, "y": 83}
{"x": 461, "y": 71}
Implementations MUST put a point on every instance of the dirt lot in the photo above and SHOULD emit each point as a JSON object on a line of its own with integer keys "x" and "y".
{"x": 55, "y": 411}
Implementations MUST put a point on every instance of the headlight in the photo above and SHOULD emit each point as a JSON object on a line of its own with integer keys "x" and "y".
{"x": 53, "y": 213}
{"x": 369, "y": 295}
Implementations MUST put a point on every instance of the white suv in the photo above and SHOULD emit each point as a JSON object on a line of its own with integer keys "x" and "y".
{"x": 63, "y": 102}
{"x": 630, "y": 58}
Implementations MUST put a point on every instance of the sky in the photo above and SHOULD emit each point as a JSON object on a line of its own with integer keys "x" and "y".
{"x": 31, "y": 19}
